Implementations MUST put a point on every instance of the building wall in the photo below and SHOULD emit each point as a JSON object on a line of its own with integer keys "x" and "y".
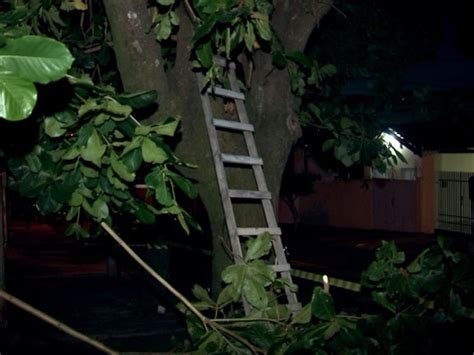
{"x": 427, "y": 193}
{"x": 461, "y": 162}
{"x": 345, "y": 204}
{"x": 373, "y": 204}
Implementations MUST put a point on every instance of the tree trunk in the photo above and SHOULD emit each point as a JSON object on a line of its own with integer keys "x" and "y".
{"x": 269, "y": 102}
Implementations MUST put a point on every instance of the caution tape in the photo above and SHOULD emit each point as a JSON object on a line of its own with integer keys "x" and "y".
{"x": 348, "y": 285}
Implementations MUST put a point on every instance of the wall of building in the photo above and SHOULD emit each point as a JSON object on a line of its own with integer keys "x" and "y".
{"x": 427, "y": 193}
{"x": 359, "y": 204}
{"x": 461, "y": 162}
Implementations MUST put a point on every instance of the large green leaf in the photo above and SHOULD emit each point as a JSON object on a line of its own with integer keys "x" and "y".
{"x": 17, "y": 97}
{"x": 120, "y": 168}
{"x": 37, "y": 59}
{"x": 258, "y": 247}
{"x": 167, "y": 127}
{"x": 53, "y": 127}
{"x": 138, "y": 100}
{"x": 322, "y": 305}
{"x": 184, "y": 184}
{"x": 94, "y": 149}
{"x": 152, "y": 153}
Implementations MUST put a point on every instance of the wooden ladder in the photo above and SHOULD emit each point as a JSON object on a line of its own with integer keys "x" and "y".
{"x": 221, "y": 161}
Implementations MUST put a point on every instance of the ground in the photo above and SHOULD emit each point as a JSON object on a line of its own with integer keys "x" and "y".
{"x": 68, "y": 279}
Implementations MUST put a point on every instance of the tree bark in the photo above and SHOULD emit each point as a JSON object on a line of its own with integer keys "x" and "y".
{"x": 270, "y": 103}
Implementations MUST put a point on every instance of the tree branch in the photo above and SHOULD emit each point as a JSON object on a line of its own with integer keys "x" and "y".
{"x": 55, "y": 323}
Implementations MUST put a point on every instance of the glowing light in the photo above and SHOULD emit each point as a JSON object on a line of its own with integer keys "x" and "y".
{"x": 389, "y": 138}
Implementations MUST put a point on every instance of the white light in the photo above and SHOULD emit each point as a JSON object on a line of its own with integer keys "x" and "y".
{"x": 391, "y": 139}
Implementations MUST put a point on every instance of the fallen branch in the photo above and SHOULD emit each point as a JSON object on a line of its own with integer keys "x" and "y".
{"x": 205, "y": 321}
{"x": 153, "y": 273}
{"x": 55, "y": 323}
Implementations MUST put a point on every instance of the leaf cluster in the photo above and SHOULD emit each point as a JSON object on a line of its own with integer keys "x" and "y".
{"x": 92, "y": 154}
{"x": 412, "y": 301}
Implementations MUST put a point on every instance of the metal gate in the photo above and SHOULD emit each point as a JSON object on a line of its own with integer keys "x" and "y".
{"x": 454, "y": 206}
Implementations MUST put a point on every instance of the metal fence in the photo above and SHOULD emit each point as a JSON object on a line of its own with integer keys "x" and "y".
{"x": 454, "y": 206}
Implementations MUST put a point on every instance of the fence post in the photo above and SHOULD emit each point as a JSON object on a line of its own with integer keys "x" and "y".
{"x": 3, "y": 238}
{"x": 471, "y": 199}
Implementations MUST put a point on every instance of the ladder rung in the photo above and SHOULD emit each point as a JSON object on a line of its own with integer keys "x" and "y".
{"x": 250, "y": 194}
{"x": 258, "y": 231}
{"x": 226, "y": 93}
{"x": 220, "y": 61}
{"x": 241, "y": 159}
{"x": 238, "y": 126}
{"x": 281, "y": 267}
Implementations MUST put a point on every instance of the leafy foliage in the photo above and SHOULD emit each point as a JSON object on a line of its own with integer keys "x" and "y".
{"x": 24, "y": 61}
{"x": 91, "y": 151}
{"x": 90, "y": 156}
{"x": 413, "y": 301}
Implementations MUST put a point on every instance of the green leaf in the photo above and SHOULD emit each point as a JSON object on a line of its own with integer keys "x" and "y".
{"x": 118, "y": 111}
{"x": 46, "y": 203}
{"x": 145, "y": 215}
{"x": 204, "y": 54}
{"x": 94, "y": 149}
{"x": 174, "y": 18}
{"x": 162, "y": 193}
{"x": 328, "y": 144}
{"x": 152, "y": 153}
{"x": 36, "y": 59}
{"x": 322, "y": 305}
{"x": 134, "y": 144}
{"x": 34, "y": 162}
{"x": 249, "y": 36}
{"x": 263, "y": 29}
{"x": 69, "y": 5}
{"x": 258, "y": 247}
{"x": 138, "y": 100}
{"x": 400, "y": 156}
{"x": 76, "y": 199}
{"x": 73, "y": 211}
{"x": 332, "y": 329}
{"x": 346, "y": 123}
{"x": 166, "y": 2}
{"x": 53, "y": 128}
{"x": 100, "y": 209}
{"x": 191, "y": 221}
{"x": 300, "y": 58}
{"x": 163, "y": 29}
{"x": 206, "y": 27}
{"x": 255, "y": 293}
{"x": 184, "y": 184}
{"x": 235, "y": 275}
{"x": 382, "y": 300}
{"x": 88, "y": 172}
{"x": 17, "y": 97}
{"x": 114, "y": 181}
{"x": 303, "y": 316}
{"x": 167, "y": 127}
{"x": 120, "y": 169}
{"x": 278, "y": 59}
{"x": 201, "y": 294}
{"x": 72, "y": 153}
{"x": 133, "y": 160}
{"x": 227, "y": 295}
{"x": 183, "y": 223}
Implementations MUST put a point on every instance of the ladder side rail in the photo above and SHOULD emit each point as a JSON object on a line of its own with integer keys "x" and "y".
{"x": 262, "y": 185}
{"x": 221, "y": 175}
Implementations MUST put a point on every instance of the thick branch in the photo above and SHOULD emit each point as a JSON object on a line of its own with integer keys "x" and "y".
{"x": 55, "y": 323}
{"x": 295, "y": 20}
{"x": 135, "y": 47}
